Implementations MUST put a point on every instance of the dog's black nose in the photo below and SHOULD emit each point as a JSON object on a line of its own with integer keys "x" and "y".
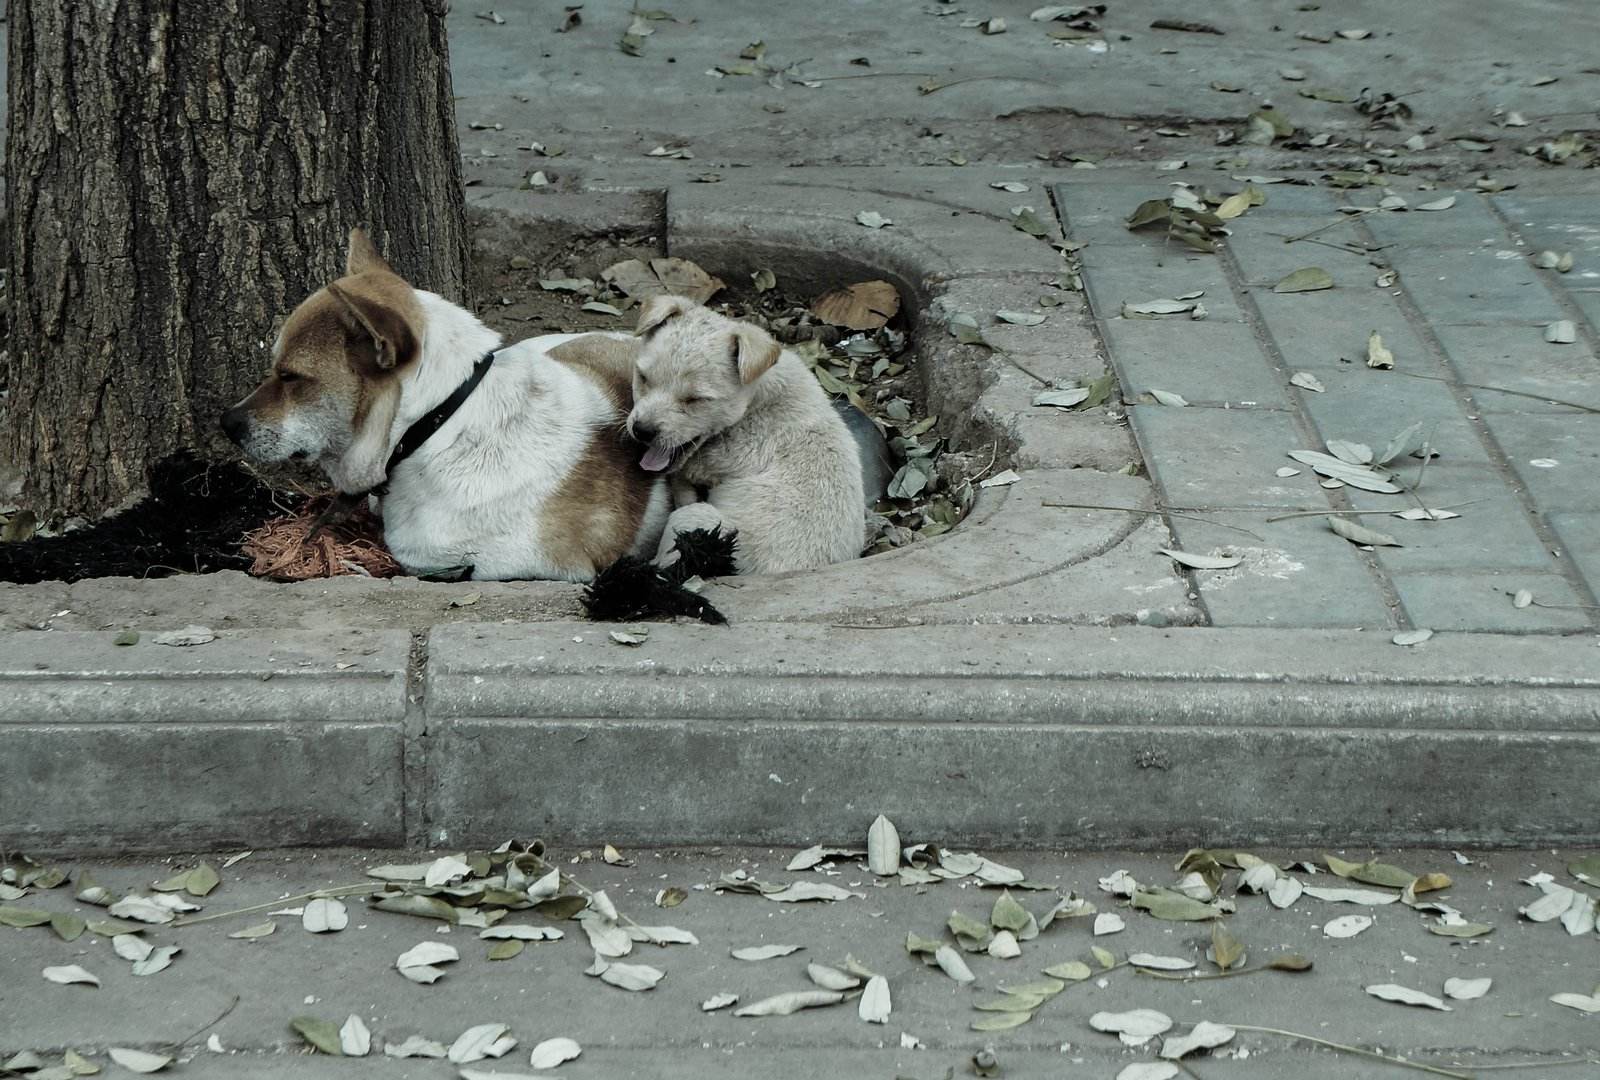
{"x": 644, "y": 433}
{"x": 235, "y": 425}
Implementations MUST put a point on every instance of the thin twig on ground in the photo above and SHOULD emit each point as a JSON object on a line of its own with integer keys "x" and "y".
{"x": 1164, "y": 510}
{"x": 1346, "y": 1048}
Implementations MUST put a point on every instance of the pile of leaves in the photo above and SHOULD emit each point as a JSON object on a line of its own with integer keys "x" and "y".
{"x": 193, "y": 521}
{"x": 1195, "y": 218}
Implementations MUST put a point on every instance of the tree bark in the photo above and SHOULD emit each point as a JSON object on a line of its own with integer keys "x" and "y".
{"x": 181, "y": 173}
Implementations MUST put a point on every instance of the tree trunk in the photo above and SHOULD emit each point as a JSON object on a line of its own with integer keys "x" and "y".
{"x": 180, "y": 175}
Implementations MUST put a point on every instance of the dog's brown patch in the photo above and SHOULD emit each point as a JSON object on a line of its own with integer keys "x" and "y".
{"x": 607, "y": 360}
{"x": 595, "y": 516}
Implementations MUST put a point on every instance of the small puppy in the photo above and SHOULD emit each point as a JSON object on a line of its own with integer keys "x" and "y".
{"x": 738, "y": 421}
{"x": 529, "y": 475}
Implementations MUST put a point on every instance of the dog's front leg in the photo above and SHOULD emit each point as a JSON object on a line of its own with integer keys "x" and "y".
{"x": 696, "y": 515}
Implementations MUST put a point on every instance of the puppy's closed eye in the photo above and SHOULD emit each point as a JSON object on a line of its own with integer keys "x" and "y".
{"x": 694, "y": 399}
{"x": 289, "y": 376}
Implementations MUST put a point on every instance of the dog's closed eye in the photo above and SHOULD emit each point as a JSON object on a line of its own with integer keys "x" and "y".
{"x": 694, "y": 399}
{"x": 289, "y": 376}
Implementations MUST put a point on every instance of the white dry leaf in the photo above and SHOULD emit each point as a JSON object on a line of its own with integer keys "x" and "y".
{"x": 951, "y": 964}
{"x": 415, "y": 1046}
{"x": 1195, "y": 561}
{"x": 481, "y": 1041}
{"x": 606, "y": 938}
{"x": 131, "y": 947}
{"x": 138, "y": 1061}
{"x": 633, "y": 977}
{"x": 254, "y": 931}
{"x": 399, "y": 871}
{"x": 883, "y": 847}
{"x": 1002, "y": 479}
{"x": 1119, "y": 883}
{"x": 141, "y": 909}
{"x": 1135, "y": 1027}
{"x": 355, "y": 1039}
{"x": 1412, "y": 637}
{"x": 1062, "y": 399}
{"x": 1404, "y": 995}
{"x": 552, "y": 1052}
{"x": 816, "y": 854}
{"x": 1152, "y": 308}
{"x": 1014, "y": 186}
{"x": 1467, "y": 989}
{"x": 1357, "y": 533}
{"x": 1418, "y": 513}
{"x": 1283, "y": 472}
{"x": 1354, "y": 475}
{"x": 1205, "y": 1036}
{"x": 444, "y": 870}
{"x": 1307, "y": 381}
{"x": 1285, "y": 891}
{"x": 521, "y": 932}
{"x": 764, "y": 952}
{"x": 1589, "y": 1003}
{"x": 545, "y": 887}
{"x": 1149, "y": 1070}
{"x": 622, "y": 637}
{"x": 1352, "y": 453}
{"x": 1438, "y": 204}
{"x": 1579, "y": 919}
{"x": 1160, "y": 963}
{"x": 325, "y": 915}
{"x": 70, "y": 973}
{"x": 875, "y": 1005}
{"x": 417, "y": 964}
{"x": 1522, "y": 598}
{"x": 909, "y": 1041}
{"x": 1258, "y": 878}
{"x": 792, "y": 1002}
{"x": 1004, "y": 946}
{"x": 1347, "y": 926}
{"x": 831, "y": 978}
{"x": 801, "y": 891}
{"x": 1552, "y": 905}
{"x": 189, "y": 635}
{"x": 1108, "y": 922}
{"x": 872, "y": 219}
{"x": 1019, "y": 318}
{"x": 1369, "y": 897}
{"x": 1378, "y": 355}
{"x": 996, "y": 873}
{"x": 718, "y": 1001}
{"x": 601, "y": 905}
{"x": 158, "y": 960}
{"x": 1561, "y": 332}
{"x": 1167, "y": 397}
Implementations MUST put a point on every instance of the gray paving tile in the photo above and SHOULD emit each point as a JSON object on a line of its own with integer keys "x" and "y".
{"x": 1580, "y": 535}
{"x": 1556, "y": 223}
{"x": 1481, "y": 601}
{"x": 1296, "y": 199}
{"x": 1492, "y": 535}
{"x": 1469, "y": 224}
{"x": 1572, "y": 440}
{"x": 1222, "y": 457}
{"x": 1204, "y": 361}
{"x": 1518, "y": 358}
{"x": 1588, "y": 301}
{"x": 1264, "y": 259}
{"x": 1122, "y": 278}
{"x": 1297, "y": 574}
{"x": 1327, "y": 331}
{"x": 1474, "y": 287}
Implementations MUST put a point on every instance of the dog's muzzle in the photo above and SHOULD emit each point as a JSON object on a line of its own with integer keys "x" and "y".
{"x": 236, "y": 424}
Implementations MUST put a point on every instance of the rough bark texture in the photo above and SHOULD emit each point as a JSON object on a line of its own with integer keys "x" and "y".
{"x": 180, "y": 176}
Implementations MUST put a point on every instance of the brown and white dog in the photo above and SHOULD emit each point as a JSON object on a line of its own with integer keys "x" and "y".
{"x": 532, "y": 474}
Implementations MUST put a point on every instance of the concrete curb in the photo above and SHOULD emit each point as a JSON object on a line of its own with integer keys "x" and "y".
{"x": 792, "y": 733}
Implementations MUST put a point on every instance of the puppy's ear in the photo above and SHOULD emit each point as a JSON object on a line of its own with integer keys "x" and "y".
{"x": 756, "y": 352}
{"x": 384, "y": 314}
{"x": 657, "y": 310}
{"x": 362, "y": 255}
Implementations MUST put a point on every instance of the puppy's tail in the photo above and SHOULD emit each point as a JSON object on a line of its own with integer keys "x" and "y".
{"x": 632, "y": 588}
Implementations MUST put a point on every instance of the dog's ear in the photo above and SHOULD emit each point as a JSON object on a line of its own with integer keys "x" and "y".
{"x": 657, "y": 310}
{"x": 386, "y": 314}
{"x": 756, "y": 351}
{"x": 362, "y": 255}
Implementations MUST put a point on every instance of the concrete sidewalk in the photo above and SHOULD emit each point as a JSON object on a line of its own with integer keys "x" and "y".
{"x": 544, "y": 993}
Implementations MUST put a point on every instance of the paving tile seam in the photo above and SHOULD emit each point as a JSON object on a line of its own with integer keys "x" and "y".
{"x": 1566, "y": 566}
{"x": 415, "y": 807}
{"x": 1388, "y": 593}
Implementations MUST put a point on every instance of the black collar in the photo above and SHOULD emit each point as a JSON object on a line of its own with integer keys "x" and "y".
{"x": 427, "y": 425}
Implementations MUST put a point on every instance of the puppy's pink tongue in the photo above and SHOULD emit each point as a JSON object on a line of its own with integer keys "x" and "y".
{"x": 655, "y": 459}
